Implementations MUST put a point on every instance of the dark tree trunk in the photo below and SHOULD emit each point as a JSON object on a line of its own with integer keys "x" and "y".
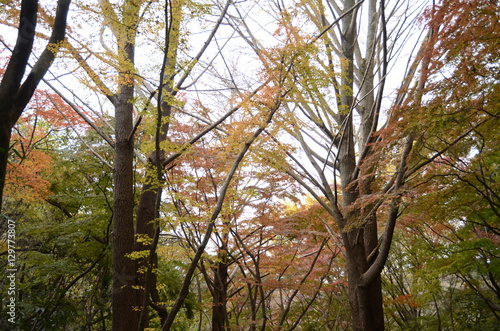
{"x": 147, "y": 212}
{"x": 219, "y": 308}
{"x": 360, "y": 239}
{"x": 124, "y": 296}
{"x": 365, "y": 300}
{"x": 5, "y": 133}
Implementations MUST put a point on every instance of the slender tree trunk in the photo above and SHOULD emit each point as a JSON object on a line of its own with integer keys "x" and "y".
{"x": 146, "y": 223}
{"x": 146, "y": 213}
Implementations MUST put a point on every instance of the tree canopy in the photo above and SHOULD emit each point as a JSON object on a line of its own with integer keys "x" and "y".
{"x": 263, "y": 165}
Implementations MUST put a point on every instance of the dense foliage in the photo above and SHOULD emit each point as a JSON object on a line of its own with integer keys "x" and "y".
{"x": 213, "y": 165}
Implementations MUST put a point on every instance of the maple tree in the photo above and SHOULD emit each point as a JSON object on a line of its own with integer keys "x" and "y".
{"x": 334, "y": 112}
{"x": 61, "y": 213}
{"x": 454, "y": 221}
{"x": 256, "y": 258}
{"x": 358, "y": 167}
{"x": 134, "y": 278}
{"x": 15, "y": 90}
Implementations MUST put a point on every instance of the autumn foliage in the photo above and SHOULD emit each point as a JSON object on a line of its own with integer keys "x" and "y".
{"x": 261, "y": 166}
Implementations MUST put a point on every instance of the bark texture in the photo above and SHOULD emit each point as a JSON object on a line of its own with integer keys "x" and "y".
{"x": 125, "y": 303}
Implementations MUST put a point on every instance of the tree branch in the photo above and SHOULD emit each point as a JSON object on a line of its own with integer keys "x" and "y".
{"x": 44, "y": 61}
{"x": 211, "y": 223}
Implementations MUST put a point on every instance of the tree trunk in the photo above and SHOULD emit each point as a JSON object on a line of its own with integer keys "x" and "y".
{"x": 124, "y": 296}
{"x": 124, "y": 313}
{"x": 147, "y": 213}
{"x": 219, "y": 308}
{"x": 365, "y": 301}
{"x": 365, "y": 308}
{"x": 5, "y": 133}
{"x": 360, "y": 241}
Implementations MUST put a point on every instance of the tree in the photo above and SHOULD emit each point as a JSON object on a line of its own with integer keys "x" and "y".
{"x": 16, "y": 93}
{"x": 124, "y": 303}
{"x": 134, "y": 260}
{"x": 122, "y": 24}
{"x": 254, "y": 268}
{"x": 456, "y": 196}
{"x": 335, "y": 113}
{"x": 58, "y": 195}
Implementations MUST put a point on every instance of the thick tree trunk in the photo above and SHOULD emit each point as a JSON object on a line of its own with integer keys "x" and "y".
{"x": 219, "y": 308}
{"x": 365, "y": 307}
{"x": 365, "y": 300}
{"x": 360, "y": 241}
{"x": 5, "y": 133}
{"x": 124, "y": 296}
{"x": 125, "y": 314}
